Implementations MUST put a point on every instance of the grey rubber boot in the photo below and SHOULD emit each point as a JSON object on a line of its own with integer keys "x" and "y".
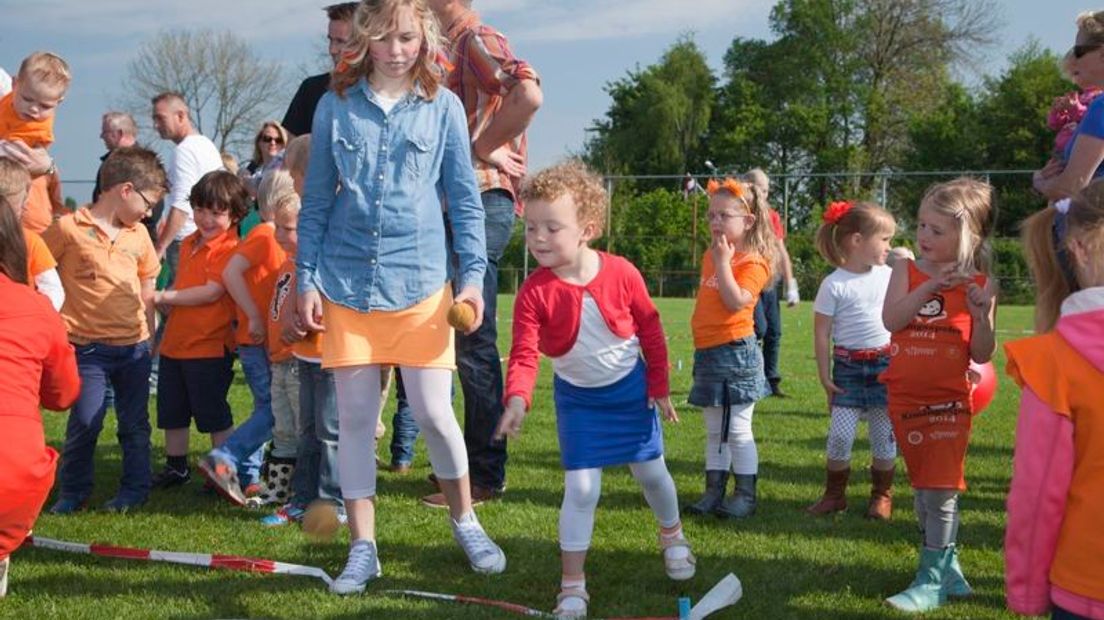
{"x": 742, "y": 502}
{"x": 715, "y": 482}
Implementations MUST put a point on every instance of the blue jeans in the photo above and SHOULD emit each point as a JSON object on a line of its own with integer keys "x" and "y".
{"x": 478, "y": 362}
{"x": 404, "y": 431}
{"x": 315, "y": 475}
{"x": 245, "y": 446}
{"x": 126, "y": 368}
{"x": 768, "y": 330}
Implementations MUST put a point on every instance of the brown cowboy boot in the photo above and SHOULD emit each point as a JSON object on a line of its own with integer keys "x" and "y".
{"x": 835, "y": 493}
{"x": 881, "y": 495}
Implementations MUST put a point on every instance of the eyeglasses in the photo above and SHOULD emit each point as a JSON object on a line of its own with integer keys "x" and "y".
{"x": 271, "y": 139}
{"x": 149, "y": 203}
{"x": 1081, "y": 50}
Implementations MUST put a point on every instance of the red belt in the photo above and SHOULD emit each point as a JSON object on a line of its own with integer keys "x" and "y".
{"x": 860, "y": 355}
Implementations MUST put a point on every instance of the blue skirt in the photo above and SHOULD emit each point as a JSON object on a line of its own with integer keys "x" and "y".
{"x": 608, "y": 425}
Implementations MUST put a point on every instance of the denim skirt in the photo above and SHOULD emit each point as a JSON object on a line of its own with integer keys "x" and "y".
{"x": 859, "y": 382}
{"x": 737, "y": 366}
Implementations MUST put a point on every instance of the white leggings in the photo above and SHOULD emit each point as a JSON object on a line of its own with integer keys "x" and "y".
{"x": 582, "y": 488}
{"x": 845, "y": 422}
{"x": 738, "y": 451}
{"x": 358, "y": 407}
{"x": 937, "y": 512}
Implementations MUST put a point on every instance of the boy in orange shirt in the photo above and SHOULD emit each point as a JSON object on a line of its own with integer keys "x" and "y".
{"x": 249, "y": 278}
{"x": 27, "y": 117}
{"x": 109, "y": 267}
{"x": 196, "y": 366}
{"x": 15, "y": 181}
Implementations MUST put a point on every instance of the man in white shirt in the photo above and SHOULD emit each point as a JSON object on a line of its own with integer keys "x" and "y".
{"x": 194, "y": 156}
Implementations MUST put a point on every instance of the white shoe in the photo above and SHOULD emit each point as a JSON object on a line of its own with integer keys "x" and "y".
{"x": 4, "y": 564}
{"x": 485, "y": 556}
{"x": 571, "y": 603}
{"x": 362, "y": 567}
{"x": 677, "y": 558}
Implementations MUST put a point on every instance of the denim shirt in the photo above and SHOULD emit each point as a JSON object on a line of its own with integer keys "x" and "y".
{"x": 378, "y": 241}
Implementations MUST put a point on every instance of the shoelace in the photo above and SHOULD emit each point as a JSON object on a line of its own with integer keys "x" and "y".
{"x": 361, "y": 563}
{"x": 474, "y": 540}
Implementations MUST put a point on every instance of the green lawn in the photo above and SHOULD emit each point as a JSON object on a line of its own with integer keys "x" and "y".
{"x": 791, "y": 565}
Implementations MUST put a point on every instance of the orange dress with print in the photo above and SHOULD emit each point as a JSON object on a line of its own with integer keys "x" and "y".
{"x": 929, "y": 391}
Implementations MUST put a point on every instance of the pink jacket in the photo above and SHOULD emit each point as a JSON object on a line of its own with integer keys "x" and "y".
{"x": 1043, "y": 468}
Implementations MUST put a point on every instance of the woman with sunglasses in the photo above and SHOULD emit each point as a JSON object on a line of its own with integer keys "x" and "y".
{"x": 268, "y": 155}
{"x": 1084, "y": 154}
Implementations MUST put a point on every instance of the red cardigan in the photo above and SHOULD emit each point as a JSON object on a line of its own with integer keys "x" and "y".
{"x": 548, "y": 310}
{"x": 37, "y": 363}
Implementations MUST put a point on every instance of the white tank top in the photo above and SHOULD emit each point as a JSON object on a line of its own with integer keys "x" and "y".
{"x": 599, "y": 357}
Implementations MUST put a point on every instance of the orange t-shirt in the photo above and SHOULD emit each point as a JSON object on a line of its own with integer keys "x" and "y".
{"x": 102, "y": 278}
{"x": 283, "y": 290}
{"x": 204, "y": 331}
{"x": 1076, "y": 393}
{"x": 713, "y": 323}
{"x": 929, "y": 393}
{"x": 39, "y": 258}
{"x": 265, "y": 257}
{"x": 36, "y": 134}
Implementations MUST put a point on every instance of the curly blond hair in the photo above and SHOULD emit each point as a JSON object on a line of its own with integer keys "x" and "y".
{"x": 571, "y": 178}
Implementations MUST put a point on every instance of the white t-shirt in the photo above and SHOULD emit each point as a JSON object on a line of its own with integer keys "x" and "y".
{"x": 598, "y": 357}
{"x": 192, "y": 158}
{"x": 388, "y": 103}
{"x": 854, "y": 301}
{"x": 5, "y": 82}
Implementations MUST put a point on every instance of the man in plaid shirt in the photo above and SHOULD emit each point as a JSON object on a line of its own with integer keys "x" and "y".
{"x": 501, "y": 93}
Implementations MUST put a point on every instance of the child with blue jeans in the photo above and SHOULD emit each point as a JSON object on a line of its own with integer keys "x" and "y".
{"x": 108, "y": 266}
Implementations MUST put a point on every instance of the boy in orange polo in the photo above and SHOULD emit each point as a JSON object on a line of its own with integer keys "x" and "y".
{"x": 27, "y": 116}
{"x": 196, "y": 367}
{"x": 249, "y": 278}
{"x": 108, "y": 267}
{"x": 15, "y": 182}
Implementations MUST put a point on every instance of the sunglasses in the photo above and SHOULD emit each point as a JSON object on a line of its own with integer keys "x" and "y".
{"x": 275, "y": 139}
{"x": 1081, "y": 50}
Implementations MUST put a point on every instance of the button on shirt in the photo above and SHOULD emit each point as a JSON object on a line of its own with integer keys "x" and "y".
{"x": 378, "y": 242}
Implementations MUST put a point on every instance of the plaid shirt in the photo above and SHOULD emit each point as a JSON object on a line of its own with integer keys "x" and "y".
{"x": 484, "y": 70}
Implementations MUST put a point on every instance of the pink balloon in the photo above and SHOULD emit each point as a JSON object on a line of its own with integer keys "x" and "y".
{"x": 986, "y": 386}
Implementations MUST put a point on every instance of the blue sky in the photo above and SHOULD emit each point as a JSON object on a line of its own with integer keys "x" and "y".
{"x": 577, "y": 46}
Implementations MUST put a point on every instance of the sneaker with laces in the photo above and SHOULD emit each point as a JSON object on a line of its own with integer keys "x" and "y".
{"x": 484, "y": 555}
{"x": 363, "y": 566}
{"x": 288, "y": 513}
{"x": 170, "y": 477}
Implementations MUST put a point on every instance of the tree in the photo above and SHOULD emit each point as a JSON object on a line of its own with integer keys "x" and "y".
{"x": 658, "y": 117}
{"x": 229, "y": 88}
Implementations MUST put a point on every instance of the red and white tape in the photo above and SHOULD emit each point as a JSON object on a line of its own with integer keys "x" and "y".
{"x": 209, "y": 560}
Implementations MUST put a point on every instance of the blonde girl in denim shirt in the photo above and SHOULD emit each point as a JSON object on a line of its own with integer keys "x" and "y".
{"x": 728, "y": 365}
{"x": 372, "y": 260}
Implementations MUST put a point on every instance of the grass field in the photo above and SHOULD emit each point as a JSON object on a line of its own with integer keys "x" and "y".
{"x": 791, "y": 565}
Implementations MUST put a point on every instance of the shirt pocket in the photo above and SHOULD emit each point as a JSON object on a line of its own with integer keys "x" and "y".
{"x": 349, "y": 157}
{"x": 418, "y": 155}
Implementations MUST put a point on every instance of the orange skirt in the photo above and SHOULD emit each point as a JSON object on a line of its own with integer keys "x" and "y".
{"x": 27, "y": 467}
{"x": 417, "y": 337}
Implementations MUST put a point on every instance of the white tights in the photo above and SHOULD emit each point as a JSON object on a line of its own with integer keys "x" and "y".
{"x": 738, "y": 451}
{"x": 358, "y": 407}
{"x": 582, "y": 488}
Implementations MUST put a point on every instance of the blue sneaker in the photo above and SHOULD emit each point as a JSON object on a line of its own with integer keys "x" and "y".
{"x": 123, "y": 505}
{"x": 288, "y": 513}
{"x": 68, "y": 505}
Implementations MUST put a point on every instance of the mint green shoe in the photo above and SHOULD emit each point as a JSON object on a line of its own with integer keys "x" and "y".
{"x": 926, "y": 592}
{"x": 954, "y": 582}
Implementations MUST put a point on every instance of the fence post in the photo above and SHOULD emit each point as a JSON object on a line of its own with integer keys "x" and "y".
{"x": 609, "y": 215}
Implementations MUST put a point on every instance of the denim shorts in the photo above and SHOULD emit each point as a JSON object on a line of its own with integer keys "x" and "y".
{"x": 739, "y": 364}
{"x": 859, "y": 382}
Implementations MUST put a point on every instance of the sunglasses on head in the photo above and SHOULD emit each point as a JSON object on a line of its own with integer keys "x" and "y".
{"x": 271, "y": 139}
{"x": 1081, "y": 50}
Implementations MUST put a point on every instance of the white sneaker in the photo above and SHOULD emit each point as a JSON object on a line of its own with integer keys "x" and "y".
{"x": 362, "y": 567}
{"x": 485, "y": 556}
{"x": 4, "y": 564}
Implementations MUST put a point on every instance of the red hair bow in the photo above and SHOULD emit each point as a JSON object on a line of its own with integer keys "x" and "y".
{"x": 729, "y": 185}
{"x": 836, "y": 210}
